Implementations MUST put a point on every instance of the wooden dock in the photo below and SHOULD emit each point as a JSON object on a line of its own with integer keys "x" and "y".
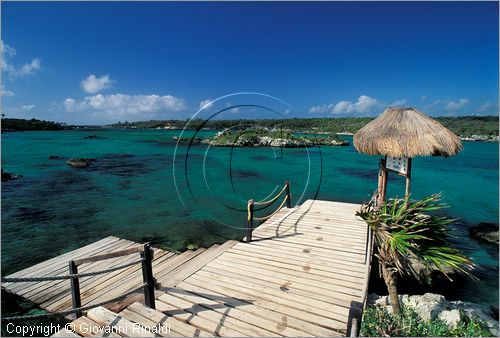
{"x": 305, "y": 273}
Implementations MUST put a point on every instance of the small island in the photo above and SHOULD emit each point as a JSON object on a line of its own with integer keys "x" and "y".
{"x": 264, "y": 137}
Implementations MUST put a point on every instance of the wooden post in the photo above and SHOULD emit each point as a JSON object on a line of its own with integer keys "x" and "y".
{"x": 147, "y": 276}
{"x": 408, "y": 178}
{"x": 248, "y": 238}
{"x": 382, "y": 183}
{"x": 75, "y": 288}
{"x": 287, "y": 194}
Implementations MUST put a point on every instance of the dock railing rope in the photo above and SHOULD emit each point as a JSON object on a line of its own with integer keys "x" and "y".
{"x": 148, "y": 286}
{"x": 251, "y": 209}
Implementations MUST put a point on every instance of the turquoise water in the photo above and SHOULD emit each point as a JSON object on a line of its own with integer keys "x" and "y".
{"x": 130, "y": 191}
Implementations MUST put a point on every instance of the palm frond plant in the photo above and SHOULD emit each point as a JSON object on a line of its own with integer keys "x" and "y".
{"x": 404, "y": 232}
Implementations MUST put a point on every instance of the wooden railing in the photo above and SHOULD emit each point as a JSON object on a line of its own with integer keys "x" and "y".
{"x": 264, "y": 205}
{"x": 148, "y": 286}
{"x": 146, "y": 261}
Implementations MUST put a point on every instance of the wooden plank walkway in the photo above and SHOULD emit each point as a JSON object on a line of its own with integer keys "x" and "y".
{"x": 55, "y": 296}
{"x": 304, "y": 274}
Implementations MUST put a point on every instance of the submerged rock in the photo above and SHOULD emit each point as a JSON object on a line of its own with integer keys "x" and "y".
{"x": 79, "y": 162}
{"x": 9, "y": 176}
{"x": 486, "y": 232}
{"x": 94, "y": 137}
{"x": 55, "y": 157}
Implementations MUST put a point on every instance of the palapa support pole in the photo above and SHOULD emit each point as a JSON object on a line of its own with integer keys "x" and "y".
{"x": 382, "y": 183}
{"x": 408, "y": 178}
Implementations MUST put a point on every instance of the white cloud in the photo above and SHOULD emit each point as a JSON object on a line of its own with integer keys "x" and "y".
{"x": 343, "y": 107}
{"x": 5, "y": 92}
{"x": 13, "y": 71}
{"x": 398, "y": 103}
{"x": 28, "y": 68}
{"x": 488, "y": 108}
{"x": 423, "y": 97}
{"x": 28, "y": 107}
{"x": 123, "y": 105}
{"x": 326, "y": 108}
{"x": 320, "y": 109}
{"x": 452, "y": 106}
{"x": 93, "y": 84}
{"x": 364, "y": 104}
{"x": 6, "y": 52}
{"x": 206, "y": 104}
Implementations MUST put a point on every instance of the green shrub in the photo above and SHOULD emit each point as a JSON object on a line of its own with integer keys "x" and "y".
{"x": 377, "y": 322}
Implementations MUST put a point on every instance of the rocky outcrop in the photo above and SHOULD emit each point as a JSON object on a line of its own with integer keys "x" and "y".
{"x": 482, "y": 138}
{"x": 430, "y": 306}
{"x": 266, "y": 141}
{"x": 9, "y": 176}
{"x": 486, "y": 232}
{"x": 427, "y": 273}
{"x": 79, "y": 162}
{"x": 450, "y": 317}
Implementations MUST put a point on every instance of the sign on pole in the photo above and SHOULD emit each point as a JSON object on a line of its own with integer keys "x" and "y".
{"x": 397, "y": 164}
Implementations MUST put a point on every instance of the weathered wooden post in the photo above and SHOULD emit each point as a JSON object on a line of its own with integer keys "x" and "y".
{"x": 248, "y": 236}
{"x": 147, "y": 276}
{"x": 382, "y": 183}
{"x": 408, "y": 178}
{"x": 287, "y": 194}
{"x": 75, "y": 288}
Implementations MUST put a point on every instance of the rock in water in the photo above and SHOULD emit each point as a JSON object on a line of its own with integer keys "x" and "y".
{"x": 79, "y": 162}
{"x": 9, "y": 176}
{"x": 487, "y": 232}
{"x": 55, "y": 157}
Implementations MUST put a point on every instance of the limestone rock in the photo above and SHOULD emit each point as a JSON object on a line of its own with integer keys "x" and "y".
{"x": 9, "y": 176}
{"x": 487, "y": 232}
{"x": 450, "y": 317}
{"x": 482, "y": 312}
{"x": 79, "y": 162}
{"x": 431, "y": 306}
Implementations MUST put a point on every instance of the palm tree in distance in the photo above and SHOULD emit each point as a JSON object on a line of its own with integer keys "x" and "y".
{"x": 405, "y": 232}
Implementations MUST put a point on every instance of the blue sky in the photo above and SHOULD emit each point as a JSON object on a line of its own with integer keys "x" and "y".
{"x": 104, "y": 62}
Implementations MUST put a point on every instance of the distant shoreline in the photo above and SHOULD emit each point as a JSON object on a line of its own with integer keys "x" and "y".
{"x": 472, "y": 138}
{"x": 469, "y": 128}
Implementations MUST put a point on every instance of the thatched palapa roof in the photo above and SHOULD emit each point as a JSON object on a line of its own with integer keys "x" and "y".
{"x": 406, "y": 132}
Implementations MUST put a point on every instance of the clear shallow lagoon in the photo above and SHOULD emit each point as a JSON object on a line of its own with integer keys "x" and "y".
{"x": 130, "y": 191}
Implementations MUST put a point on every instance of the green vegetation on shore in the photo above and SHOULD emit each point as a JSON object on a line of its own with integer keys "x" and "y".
{"x": 463, "y": 125}
{"x": 265, "y": 137}
{"x": 10, "y": 124}
{"x": 377, "y": 322}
